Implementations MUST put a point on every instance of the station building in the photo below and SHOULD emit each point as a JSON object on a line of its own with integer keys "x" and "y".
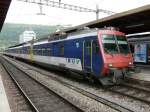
{"x": 27, "y": 35}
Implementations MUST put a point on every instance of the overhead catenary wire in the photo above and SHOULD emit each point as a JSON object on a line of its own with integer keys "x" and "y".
{"x": 59, "y": 4}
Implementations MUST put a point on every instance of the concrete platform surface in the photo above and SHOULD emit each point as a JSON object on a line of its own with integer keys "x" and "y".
{"x": 4, "y": 106}
{"x": 144, "y": 75}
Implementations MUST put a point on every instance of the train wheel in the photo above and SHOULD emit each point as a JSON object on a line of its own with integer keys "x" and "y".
{"x": 90, "y": 78}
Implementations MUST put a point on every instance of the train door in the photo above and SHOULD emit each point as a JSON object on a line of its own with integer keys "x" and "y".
{"x": 87, "y": 55}
{"x": 31, "y": 52}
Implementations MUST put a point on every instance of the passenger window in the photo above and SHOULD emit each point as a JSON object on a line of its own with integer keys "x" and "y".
{"x": 43, "y": 50}
{"x": 35, "y": 51}
{"x": 88, "y": 47}
{"x": 62, "y": 49}
{"x": 38, "y": 52}
{"x": 95, "y": 47}
{"x": 49, "y": 52}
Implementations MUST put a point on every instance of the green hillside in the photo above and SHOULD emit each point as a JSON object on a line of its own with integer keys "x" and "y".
{"x": 10, "y": 32}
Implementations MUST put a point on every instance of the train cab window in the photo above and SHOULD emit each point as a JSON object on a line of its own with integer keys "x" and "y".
{"x": 123, "y": 45}
{"x": 109, "y": 44}
{"x": 95, "y": 47}
{"x": 62, "y": 49}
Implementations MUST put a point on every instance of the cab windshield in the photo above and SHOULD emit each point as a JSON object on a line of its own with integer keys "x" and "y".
{"x": 115, "y": 44}
{"x": 123, "y": 45}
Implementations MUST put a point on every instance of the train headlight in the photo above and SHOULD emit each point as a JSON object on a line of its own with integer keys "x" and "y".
{"x": 110, "y": 64}
{"x": 130, "y": 63}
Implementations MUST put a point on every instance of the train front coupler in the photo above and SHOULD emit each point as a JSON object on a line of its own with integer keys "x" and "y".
{"x": 114, "y": 76}
{"x": 117, "y": 75}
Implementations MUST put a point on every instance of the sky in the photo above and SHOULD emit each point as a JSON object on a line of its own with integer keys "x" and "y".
{"x": 26, "y": 13}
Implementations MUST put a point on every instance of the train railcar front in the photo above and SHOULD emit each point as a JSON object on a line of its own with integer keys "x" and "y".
{"x": 116, "y": 55}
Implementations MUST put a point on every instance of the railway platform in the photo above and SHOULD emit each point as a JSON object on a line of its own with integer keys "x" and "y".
{"x": 144, "y": 74}
{"x": 4, "y": 106}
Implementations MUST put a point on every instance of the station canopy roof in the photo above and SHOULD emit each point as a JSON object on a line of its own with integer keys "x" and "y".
{"x": 4, "y": 5}
{"x": 129, "y": 22}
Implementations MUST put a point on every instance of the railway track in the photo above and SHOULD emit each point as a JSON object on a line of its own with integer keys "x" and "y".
{"x": 133, "y": 91}
{"x": 40, "y": 97}
{"x": 17, "y": 100}
{"x": 88, "y": 94}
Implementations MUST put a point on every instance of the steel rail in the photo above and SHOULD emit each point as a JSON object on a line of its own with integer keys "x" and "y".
{"x": 99, "y": 99}
{"x": 136, "y": 87}
{"x": 24, "y": 93}
{"x": 133, "y": 96}
{"x": 88, "y": 94}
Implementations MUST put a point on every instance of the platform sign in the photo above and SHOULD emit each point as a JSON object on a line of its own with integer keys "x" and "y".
{"x": 140, "y": 53}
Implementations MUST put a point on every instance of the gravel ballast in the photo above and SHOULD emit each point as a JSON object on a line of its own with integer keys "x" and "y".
{"x": 130, "y": 103}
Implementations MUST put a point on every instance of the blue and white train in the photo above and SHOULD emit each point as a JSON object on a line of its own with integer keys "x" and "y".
{"x": 103, "y": 54}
